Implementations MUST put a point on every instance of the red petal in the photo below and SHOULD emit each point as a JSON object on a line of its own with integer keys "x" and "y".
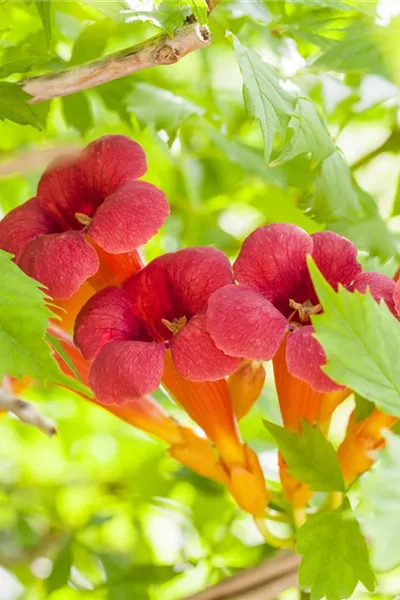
{"x": 396, "y": 297}
{"x": 22, "y": 225}
{"x": 63, "y": 191}
{"x": 336, "y": 258}
{"x": 273, "y": 259}
{"x": 106, "y": 317}
{"x": 243, "y": 323}
{"x": 380, "y": 286}
{"x": 176, "y": 285}
{"x": 305, "y": 356}
{"x": 129, "y": 217}
{"x": 61, "y": 261}
{"x": 79, "y": 183}
{"x": 122, "y": 371}
{"x": 111, "y": 161}
{"x": 196, "y": 356}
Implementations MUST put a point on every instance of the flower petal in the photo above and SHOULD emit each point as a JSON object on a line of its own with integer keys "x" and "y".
{"x": 273, "y": 259}
{"x": 129, "y": 217}
{"x": 396, "y": 297}
{"x": 63, "y": 191}
{"x": 336, "y": 257}
{"x": 122, "y": 371}
{"x": 22, "y": 225}
{"x": 380, "y": 287}
{"x": 177, "y": 285}
{"x": 305, "y": 356}
{"x": 195, "y": 355}
{"x": 106, "y": 317}
{"x": 60, "y": 261}
{"x": 111, "y": 161}
{"x": 243, "y": 323}
{"x": 79, "y": 182}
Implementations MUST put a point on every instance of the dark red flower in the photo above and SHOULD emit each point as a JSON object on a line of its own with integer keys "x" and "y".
{"x": 276, "y": 297}
{"x": 86, "y": 206}
{"x": 128, "y": 331}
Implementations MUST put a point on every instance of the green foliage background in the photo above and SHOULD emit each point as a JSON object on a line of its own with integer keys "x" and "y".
{"x": 101, "y": 511}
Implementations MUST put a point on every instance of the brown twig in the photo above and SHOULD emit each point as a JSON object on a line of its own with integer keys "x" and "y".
{"x": 26, "y": 412}
{"x": 263, "y": 582}
{"x": 33, "y": 159}
{"x": 160, "y": 50}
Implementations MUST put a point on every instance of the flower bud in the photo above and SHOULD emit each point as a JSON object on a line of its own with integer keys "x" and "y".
{"x": 245, "y": 386}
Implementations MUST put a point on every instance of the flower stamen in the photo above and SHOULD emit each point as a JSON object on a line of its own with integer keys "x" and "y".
{"x": 305, "y": 310}
{"x": 176, "y": 325}
{"x": 82, "y": 218}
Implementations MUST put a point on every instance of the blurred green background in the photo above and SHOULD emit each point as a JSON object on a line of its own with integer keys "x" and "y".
{"x": 101, "y": 511}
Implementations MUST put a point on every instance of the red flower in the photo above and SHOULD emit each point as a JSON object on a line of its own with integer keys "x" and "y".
{"x": 128, "y": 331}
{"x": 276, "y": 297}
{"x": 87, "y": 207}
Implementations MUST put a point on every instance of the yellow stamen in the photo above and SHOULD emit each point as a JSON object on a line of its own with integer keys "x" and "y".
{"x": 176, "y": 324}
{"x": 305, "y": 310}
{"x": 83, "y": 218}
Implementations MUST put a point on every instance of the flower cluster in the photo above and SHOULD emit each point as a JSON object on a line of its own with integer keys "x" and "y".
{"x": 188, "y": 320}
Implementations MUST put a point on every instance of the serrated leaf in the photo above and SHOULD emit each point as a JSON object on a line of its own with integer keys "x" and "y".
{"x": 160, "y": 108}
{"x": 166, "y": 17}
{"x": 335, "y": 555}
{"x": 265, "y": 98}
{"x": 310, "y": 135}
{"x": 77, "y": 112}
{"x": 24, "y": 319}
{"x": 200, "y": 10}
{"x": 14, "y": 106}
{"x": 380, "y": 507}
{"x": 311, "y": 458}
{"x": 361, "y": 339}
{"x": 44, "y": 9}
{"x": 61, "y": 567}
{"x": 348, "y": 210}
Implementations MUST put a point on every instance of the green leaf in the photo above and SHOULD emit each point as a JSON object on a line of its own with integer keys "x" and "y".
{"x": 348, "y": 210}
{"x": 332, "y": 4}
{"x": 77, "y": 112}
{"x": 61, "y": 567}
{"x": 335, "y": 197}
{"x": 358, "y": 50}
{"x": 361, "y": 339}
{"x": 311, "y": 458}
{"x": 160, "y": 108}
{"x": 92, "y": 41}
{"x": 335, "y": 555}
{"x": 310, "y": 136}
{"x": 44, "y": 9}
{"x": 13, "y": 105}
{"x": 380, "y": 507}
{"x": 200, "y": 10}
{"x": 258, "y": 12}
{"x": 24, "y": 319}
{"x": 363, "y": 407}
{"x": 166, "y": 17}
{"x": 265, "y": 98}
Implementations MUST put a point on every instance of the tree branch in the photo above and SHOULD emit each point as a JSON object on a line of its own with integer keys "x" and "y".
{"x": 263, "y": 582}
{"x": 160, "y": 50}
{"x": 27, "y": 412}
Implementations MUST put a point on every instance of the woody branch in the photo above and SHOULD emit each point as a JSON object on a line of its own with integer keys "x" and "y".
{"x": 157, "y": 51}
{"x": 26, "y": 412}
{"x": 264, "y": 582}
